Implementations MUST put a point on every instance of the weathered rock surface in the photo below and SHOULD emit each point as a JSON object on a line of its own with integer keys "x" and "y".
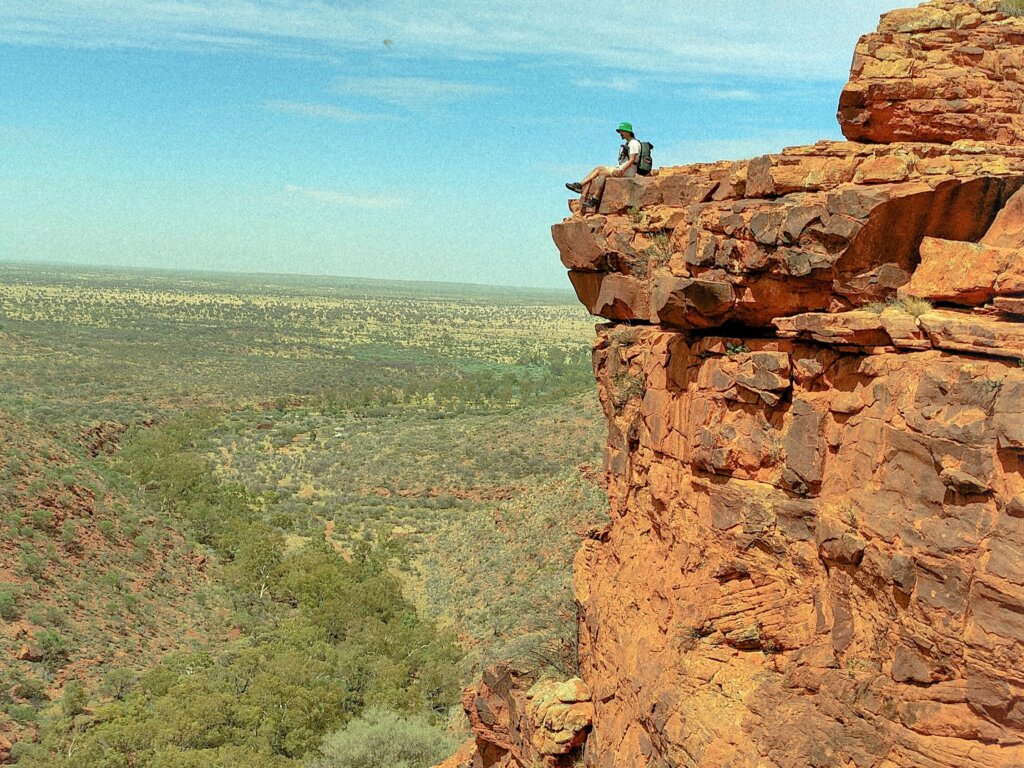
{"x": 517, "y": 724}
{"x": 966, "y": 273}
{"x": 828, "y": 227}
{"x": 945, "y": 71}
{"x": 974, "y": 273}
{"x": 826, "y": 575}
{"x": 816, "y": 477}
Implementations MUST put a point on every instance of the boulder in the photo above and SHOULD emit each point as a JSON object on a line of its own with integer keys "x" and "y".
{"x": 29, "y": 653}
{"x": 965, "y": 273}
{"x": 1009, "y": 305}
{"x": 943, "y": 72}
{"x": 517, "y": 724}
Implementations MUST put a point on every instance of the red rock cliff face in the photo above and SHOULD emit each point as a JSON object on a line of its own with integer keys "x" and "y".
{"x": 817, "y": 549}
{"x": 816, "y": 555}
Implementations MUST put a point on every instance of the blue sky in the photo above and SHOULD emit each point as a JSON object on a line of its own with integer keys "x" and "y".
{"x": 392, "y": 139}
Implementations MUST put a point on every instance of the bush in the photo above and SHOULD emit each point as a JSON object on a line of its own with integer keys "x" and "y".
{"x": 384, "y": 739}
{"x": 30, "y": 689}
{"x": 54, "y": 647}
{"x": 74, "y": 700}
{"x": 8, "y": 606}
{"x": 108, "y": 530}
{"x": 118, "y": 682}
{"x": 69, "y": 535}
{"x": 33, "y": 564}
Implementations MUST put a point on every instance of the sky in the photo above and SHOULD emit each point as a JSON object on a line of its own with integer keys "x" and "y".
{"x": 388, "y": 138}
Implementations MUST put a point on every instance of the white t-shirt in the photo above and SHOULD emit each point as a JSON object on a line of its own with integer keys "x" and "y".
{"x": 632, "y": 149}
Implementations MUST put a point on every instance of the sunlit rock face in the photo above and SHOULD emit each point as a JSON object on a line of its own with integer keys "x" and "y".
{"x": 811, "y": 375}
{"x": 816, "y": 556}
{"x": 943, "y": 72}
{"x": 817, "y": 549}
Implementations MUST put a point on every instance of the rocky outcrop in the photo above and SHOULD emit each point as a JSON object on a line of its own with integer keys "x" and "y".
{"x": 818, "y": 514}
{"x": 521, "y": 724}
{"x": 942, "y": 72}
{"x": 813, "y": 385}
{"x": 829, "y": 227}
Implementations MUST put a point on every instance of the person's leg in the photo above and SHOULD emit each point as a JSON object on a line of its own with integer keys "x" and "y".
{"x": 592, "y": 175}
{"x": 594, "y": 188}
{"x": 575, "y": 186}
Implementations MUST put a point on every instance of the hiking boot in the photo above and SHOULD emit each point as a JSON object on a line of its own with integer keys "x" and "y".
{"x": 574, "y": 186}
{"x": 591, "y": 202}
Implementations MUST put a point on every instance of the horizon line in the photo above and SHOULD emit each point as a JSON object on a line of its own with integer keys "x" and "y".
{"x": 568, "y": 291}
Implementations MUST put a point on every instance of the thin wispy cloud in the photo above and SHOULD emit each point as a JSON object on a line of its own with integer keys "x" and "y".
{"x": 694, "y": 38}
{"x": 411, "y": 91}
{"x": 616, "y": 83}
{"x": 340, "y": 199}
{"x": 728, "y": 94}
{"x": 326, "y": 111}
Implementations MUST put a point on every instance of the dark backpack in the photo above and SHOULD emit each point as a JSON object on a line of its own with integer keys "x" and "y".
{"x": 645, "y": 163}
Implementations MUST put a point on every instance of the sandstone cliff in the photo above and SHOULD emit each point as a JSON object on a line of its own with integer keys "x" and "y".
{"x": 816, "y": 555}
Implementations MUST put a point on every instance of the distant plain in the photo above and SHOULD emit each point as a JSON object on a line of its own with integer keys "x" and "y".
{"x": 452, "y": 430}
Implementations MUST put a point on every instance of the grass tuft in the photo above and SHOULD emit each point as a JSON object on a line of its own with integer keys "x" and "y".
{"x": 911, "y": 305}
{"x": 915, "y": 306}
{"x": 659, "y": 251}
{"x": 1012, "y": 7}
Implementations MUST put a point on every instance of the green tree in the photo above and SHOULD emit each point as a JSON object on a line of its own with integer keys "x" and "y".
{"x": 383, "y": 739}
{"x": 74, "y": 700}
{"x": 258, "y": 550}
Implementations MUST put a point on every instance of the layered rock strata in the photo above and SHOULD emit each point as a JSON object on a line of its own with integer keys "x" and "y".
{"x": 813, "y": 385}
{"x": 815, "y": 556}
{"x": 827, "y": 227}
{"x": 941, "y": 72}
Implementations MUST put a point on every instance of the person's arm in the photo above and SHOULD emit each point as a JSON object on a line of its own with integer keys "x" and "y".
{"x": 631, "y": 160}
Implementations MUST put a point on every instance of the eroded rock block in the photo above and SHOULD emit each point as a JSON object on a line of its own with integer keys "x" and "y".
{"x": 942, "y": 72}
{"x": 966, "y": 273}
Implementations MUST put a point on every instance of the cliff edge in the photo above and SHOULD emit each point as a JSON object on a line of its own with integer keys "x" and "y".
{"x": 813, "y": 385}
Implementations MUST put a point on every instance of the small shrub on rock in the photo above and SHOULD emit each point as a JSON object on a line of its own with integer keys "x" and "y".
{"x": 1012, "y": 7}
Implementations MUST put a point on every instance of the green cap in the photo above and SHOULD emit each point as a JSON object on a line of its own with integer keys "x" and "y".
{"x": 627, "y": 127}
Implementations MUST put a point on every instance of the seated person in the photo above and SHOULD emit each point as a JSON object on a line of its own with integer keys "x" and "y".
{"x": 592, "y": 186}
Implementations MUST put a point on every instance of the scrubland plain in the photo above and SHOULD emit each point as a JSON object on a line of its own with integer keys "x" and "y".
{"x": 248, "y": 520}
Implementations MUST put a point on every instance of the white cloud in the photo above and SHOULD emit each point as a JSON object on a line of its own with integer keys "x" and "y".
{"x": 728, "y": 94}
{"x": 341, "y": 199}
{"x": 328, "y": 111}
{"x": 617, "y": 83}
{"x": 696, "y": 39}
{"x": 411, "y": 91}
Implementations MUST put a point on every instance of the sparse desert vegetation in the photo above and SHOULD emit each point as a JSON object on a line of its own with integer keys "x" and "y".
{"x": 248, "y": 520}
